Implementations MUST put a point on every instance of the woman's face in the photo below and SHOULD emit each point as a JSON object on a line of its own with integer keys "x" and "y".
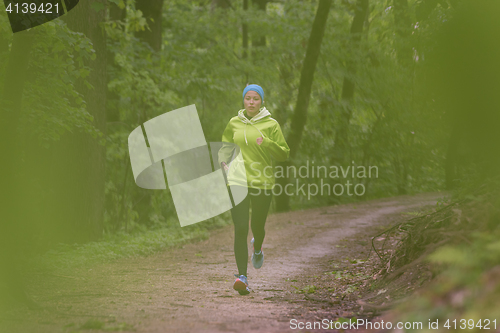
{"x": 252, "y": 103}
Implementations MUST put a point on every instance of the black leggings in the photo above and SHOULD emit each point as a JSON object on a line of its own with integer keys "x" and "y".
{"x": 240, "y": 213}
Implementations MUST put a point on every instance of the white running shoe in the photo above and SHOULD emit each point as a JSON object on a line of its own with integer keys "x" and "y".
{"x": 257, "y": 258}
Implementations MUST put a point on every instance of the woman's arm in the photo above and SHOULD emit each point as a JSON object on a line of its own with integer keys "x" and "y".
{"x": 276, "y": 144}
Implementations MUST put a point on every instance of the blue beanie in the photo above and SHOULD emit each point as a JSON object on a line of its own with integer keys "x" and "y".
{"x": 255, "y": 88}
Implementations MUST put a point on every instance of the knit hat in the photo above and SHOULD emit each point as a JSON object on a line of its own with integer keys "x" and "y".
{"x": 255, "y": 88}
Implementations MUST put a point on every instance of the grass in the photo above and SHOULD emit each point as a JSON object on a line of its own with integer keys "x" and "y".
{"x": 122, "y": 245}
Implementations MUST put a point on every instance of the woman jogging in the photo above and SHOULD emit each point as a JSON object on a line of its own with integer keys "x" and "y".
{"x": 260, "y": 139}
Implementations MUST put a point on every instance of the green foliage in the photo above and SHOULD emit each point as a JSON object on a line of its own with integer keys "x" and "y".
{"x": 394, "y": 123}
{"x": 466, "y": 261}
{"x": 52, "y": 101}
{"x": 466, "y": 285}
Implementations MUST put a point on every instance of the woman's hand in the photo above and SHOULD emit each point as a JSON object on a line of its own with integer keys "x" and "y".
{"x": 259, "y": 140}
{"x": 225, "y": 166}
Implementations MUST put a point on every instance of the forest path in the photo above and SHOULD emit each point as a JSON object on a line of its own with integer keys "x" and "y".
{"x": 189, "y": 289}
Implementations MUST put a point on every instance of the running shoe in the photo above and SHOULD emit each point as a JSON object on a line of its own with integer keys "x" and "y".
{"x": 241, "y": 284}
{"x": 257, "y": 258}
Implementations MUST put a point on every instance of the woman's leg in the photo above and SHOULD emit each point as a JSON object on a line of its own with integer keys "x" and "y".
{"x": 260, "y": 209}
{"x": 240, "y": 215}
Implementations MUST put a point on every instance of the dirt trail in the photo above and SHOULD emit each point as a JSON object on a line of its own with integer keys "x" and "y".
{"x": 189, "y": 289}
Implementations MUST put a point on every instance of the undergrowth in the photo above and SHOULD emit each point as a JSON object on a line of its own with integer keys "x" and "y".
{"x": 459, "y": 243}
{"x": 119, "y": 245}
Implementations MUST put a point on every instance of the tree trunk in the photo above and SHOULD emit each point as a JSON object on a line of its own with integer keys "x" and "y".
{"x": 152, "y": 11}
{"x": 341, "y": 142}
{"x": 113, "y": 99}
{"x": 258, "y": 39}
{"x": 14, "y": 224}
{"x": 299, "y": 117}
{"x": 77, "y": 168}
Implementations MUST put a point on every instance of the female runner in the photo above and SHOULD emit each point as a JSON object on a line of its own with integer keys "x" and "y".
{"x": 260, "y": 139}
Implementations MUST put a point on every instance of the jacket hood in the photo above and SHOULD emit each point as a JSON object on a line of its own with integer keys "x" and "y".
{"x": 263, "y": 112}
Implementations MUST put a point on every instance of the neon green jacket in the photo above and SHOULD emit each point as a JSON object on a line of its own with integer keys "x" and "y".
{"x": 255, "y": 160}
